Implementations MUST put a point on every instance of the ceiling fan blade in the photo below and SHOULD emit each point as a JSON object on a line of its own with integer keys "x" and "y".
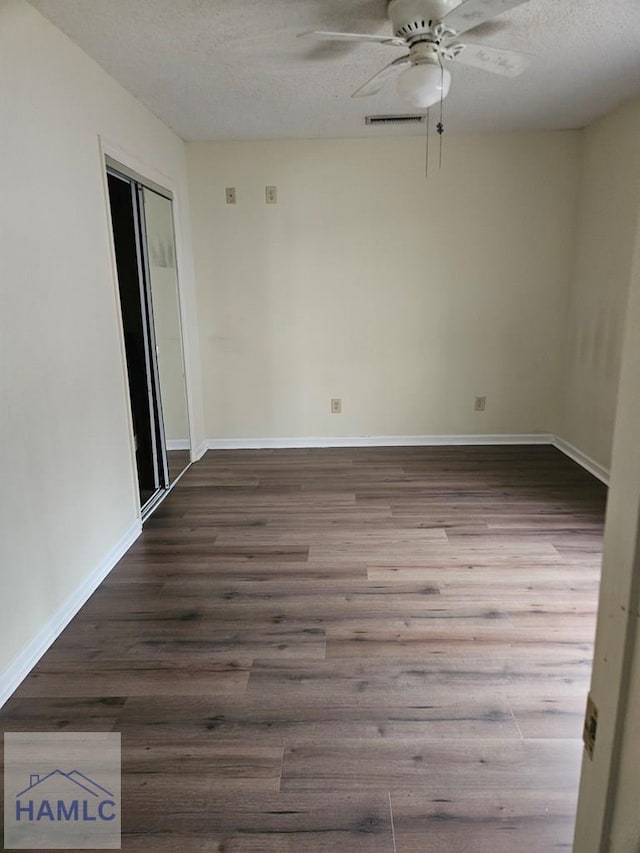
{"x": 377, "y": 82}
{"x": 508, "y": 63}
{"x": 472, "y": 13}
{"x": 322, "y": 36}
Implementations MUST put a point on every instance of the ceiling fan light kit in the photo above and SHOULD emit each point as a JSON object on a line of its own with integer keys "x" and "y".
{"x": 425, "y": 81}
{"x": 424, "y": 84}
{"x": 429, "y": 29}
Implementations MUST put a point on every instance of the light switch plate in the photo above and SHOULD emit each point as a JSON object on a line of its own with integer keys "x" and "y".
{"x": 231, "y": 195}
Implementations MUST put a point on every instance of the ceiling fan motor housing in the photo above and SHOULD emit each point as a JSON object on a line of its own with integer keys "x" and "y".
{"x": 413, "y": 20}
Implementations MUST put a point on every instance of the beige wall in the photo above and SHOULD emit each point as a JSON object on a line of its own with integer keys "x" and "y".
{"x": 68, "y": 493}
{"x": 404, "y": 297}
{"x": 609, "y": 206}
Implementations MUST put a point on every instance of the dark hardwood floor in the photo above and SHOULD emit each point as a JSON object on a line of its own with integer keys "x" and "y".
{"x": 344, "y": 650}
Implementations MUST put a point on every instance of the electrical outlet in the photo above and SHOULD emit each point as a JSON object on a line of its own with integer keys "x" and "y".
{"x": 480, "y": 404}
{"x": 590, "y": 727}
{"x": 231, "y": 195}
{"x": 336, "y": 406}
{"x": 271, "y": 195}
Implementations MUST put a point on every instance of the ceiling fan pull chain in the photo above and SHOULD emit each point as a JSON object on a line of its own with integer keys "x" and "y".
{"x": 426, "y": 162}
{"x": 440, "y": 125}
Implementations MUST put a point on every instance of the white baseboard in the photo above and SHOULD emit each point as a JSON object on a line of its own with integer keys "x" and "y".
{"x": 23, "y": 663}
{"x": 376, "y": 441}
{"x": 411, "y": 441}
{"x": 582, "y": 459}
{"x": 178, "y": 444}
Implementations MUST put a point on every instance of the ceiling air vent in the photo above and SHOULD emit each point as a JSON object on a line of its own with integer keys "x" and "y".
{"x": 402, "y": 119}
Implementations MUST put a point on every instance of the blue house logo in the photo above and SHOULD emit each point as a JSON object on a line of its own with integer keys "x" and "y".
{"x": 68, "y": 788}
{"x": 64, "y": 797}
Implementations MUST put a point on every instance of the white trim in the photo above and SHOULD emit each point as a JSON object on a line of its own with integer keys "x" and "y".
{"x": 23, "y": 663}
{"x": 178, "y": 444}
{"x": 376, "y": 441}
{"x": 582, "y": 459}
{"x": 103, "y": 150}
{"x": 410, "y": 441}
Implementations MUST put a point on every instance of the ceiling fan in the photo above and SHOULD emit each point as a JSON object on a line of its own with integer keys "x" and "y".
{"x": 430, "y": 30}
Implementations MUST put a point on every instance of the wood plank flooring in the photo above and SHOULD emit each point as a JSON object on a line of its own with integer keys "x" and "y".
{"x": 311, "y": 651}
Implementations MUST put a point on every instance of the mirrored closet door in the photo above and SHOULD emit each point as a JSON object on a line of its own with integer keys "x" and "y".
{"x": 163, "y": 278}
{"x": 144, "y": 243}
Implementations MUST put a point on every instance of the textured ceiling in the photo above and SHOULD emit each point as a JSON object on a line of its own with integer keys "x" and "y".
{"x": 234, "y": 69}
